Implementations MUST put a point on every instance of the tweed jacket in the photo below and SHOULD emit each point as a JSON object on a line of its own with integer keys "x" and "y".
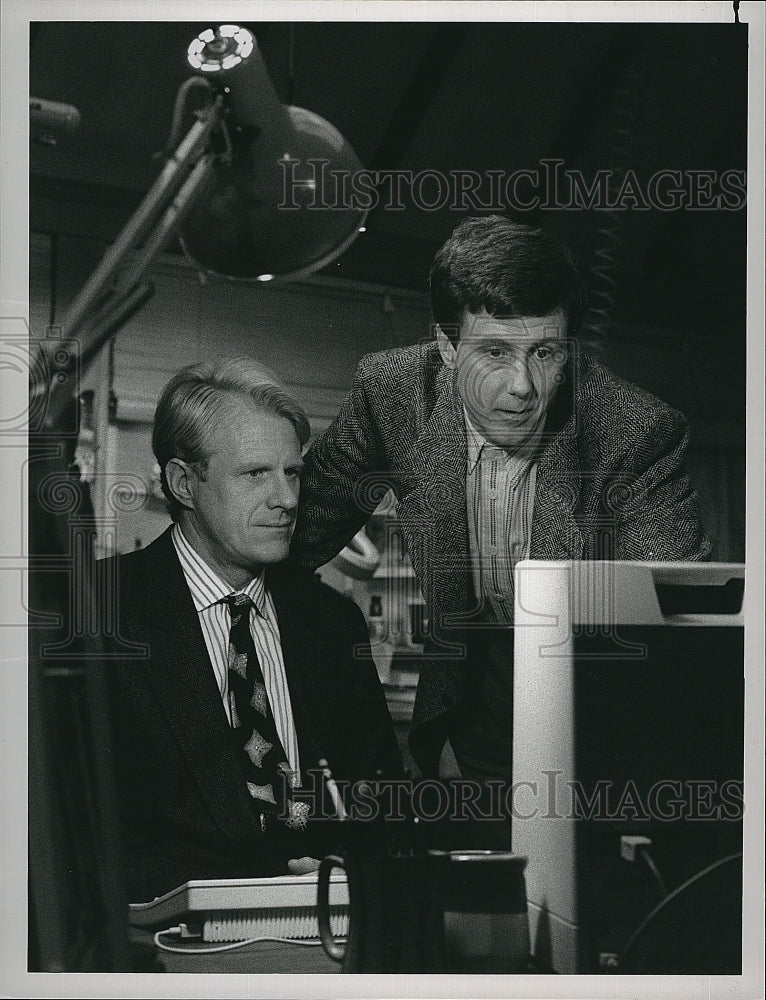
{"x": 611, "y": 483}
{"x": 186, "y": 811}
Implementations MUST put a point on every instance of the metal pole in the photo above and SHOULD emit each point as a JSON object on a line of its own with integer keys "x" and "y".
{"x": 102, "y": 326}
{"x": 190, "y": 149}
{"x": 100, "y": 309}
{"x": 170, "y": 221}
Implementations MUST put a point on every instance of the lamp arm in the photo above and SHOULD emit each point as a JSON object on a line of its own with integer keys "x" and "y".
{"x": 170, "y": 221}
{"x": 144, "y": 218}
{"x": 154, "y": 222}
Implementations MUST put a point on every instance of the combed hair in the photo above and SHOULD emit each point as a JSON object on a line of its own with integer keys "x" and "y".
{"x": 506, "y": 268}
{"x": 191, "y": 403}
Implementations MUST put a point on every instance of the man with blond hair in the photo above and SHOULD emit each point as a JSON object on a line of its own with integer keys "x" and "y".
{"x": 232, "y": 675}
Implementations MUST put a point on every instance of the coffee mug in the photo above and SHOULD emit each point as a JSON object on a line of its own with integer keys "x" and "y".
{"x": 440, "y": 911}
{"x": 484, "y": 896}
{"x": 395, "y": 922}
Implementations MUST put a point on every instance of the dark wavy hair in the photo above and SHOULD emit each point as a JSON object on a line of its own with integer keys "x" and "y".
{"x": 190, "y": 405}
{"x": 506, "y": 268}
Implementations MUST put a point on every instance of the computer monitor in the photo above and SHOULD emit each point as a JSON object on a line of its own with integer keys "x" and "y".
{"x": 628, "y": 736}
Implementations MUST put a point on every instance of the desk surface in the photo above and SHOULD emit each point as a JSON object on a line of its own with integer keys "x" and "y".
{"x": 265, "y": 957}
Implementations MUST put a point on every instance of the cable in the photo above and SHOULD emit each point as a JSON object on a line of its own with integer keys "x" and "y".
{"x": 291, "y": 64}
{"x": 654, "y": 870}
{"x": 192, "y": 950}
{"x": 673, "y": 895}
{"x": 178, "y": 111}
{"x": 609, "y": 234}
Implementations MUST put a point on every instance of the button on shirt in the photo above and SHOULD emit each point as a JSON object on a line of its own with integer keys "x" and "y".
{"x": 209, "y": 593}
{"x": 500, "y": 495}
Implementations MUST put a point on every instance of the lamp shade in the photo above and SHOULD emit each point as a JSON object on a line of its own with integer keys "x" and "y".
{"x": 276, "y": 206}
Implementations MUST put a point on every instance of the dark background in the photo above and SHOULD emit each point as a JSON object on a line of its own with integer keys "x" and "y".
{"x": 417, "y": 96}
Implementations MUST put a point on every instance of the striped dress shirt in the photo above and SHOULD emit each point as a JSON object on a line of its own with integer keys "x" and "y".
{"x": 209, "y": 593}
{"x": 500, "y": 494}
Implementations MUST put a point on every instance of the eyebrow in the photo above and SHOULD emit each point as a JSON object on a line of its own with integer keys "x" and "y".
{"x": 525, "y": 342}
{"x": 268, "y": 467}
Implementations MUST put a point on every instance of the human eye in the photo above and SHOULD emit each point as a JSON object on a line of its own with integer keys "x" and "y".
{"x": 256, "y": 473}
{"x": 542, "y": 352}
{"x": 497, "y": 353}
{"x": 550, "y": 352}
{"x": 294, "y": 472}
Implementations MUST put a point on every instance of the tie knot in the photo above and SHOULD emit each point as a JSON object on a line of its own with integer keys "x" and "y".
{"x": 238, "y": 601}
{"x": 239, "y": 604}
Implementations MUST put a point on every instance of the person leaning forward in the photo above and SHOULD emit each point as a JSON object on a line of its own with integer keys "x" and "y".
{"x": 200, "y": 723}
{"x": 501, "y": 441}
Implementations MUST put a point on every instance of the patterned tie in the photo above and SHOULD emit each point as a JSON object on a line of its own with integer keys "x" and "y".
{"x": 263, "y": 759}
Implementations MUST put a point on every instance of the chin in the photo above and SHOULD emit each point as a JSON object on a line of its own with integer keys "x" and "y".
{"x": 507, "y": 437}
{"x": 273, "y": 553}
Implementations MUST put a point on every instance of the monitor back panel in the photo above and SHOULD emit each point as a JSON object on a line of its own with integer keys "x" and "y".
{"x": 622, "y": 729}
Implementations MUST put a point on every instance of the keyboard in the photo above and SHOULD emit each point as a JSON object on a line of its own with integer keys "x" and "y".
{"x": 240, "y": 909}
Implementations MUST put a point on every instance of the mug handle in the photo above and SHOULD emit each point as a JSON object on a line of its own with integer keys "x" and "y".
{"x": 336, "y": 951}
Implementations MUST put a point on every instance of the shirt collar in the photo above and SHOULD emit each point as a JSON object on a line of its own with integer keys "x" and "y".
{"x": 476, "y": 443}
{"x": 205, "y": 585}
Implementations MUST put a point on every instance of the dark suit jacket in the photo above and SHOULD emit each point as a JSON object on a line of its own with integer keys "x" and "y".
{"x": 611, "y": 484}
{"x": 186, "y": 811}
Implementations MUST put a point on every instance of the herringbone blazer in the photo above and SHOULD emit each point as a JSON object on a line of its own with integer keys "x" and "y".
{"x": 611, "y": 483}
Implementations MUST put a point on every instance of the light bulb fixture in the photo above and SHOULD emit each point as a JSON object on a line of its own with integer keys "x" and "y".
{"x": 212, "y": 52}
{"x": 273, "y": 208}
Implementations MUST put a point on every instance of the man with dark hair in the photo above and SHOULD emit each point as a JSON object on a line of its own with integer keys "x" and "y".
{"x": 501, "y": 442}
{"x": 232, "y": 675}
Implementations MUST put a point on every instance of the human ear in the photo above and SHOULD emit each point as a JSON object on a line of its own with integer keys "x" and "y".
{"x": 181, "y": 480}
{"x": 446, "y": 348}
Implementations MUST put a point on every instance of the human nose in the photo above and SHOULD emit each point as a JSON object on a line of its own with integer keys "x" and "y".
{"x": 519, "y": 380}
{"x": 284, "y": 492}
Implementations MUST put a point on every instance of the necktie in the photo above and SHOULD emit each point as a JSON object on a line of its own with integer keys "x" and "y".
{"x": 262, "y": 756}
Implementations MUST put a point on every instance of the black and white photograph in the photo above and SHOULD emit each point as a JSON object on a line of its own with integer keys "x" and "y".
{"x": 382, "y": 436}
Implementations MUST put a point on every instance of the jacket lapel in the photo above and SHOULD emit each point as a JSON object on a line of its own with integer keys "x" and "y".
{"x": 181, "y": 675}
{"x": 300, "y": 653}
{"x": 433, "y": 513}
{"x": 555, "y": 532}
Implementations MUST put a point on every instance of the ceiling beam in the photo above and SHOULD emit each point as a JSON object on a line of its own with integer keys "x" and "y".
{"x": 443, "y": 46}
{"x": 591, "y": 104}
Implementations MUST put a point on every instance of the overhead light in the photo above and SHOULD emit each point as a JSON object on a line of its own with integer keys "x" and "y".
{"x": 272, "y": 210}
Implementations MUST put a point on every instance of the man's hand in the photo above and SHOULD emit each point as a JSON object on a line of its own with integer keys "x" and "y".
{"x": 302, "y": 866}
